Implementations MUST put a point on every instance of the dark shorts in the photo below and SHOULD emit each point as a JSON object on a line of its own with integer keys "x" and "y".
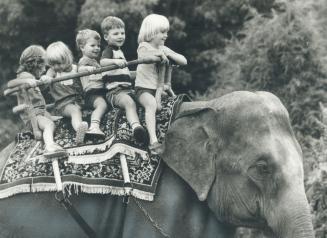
{"x": 93, "y": 94}
{"x": 139, "y": 91}
{"x": 114, "y": 96}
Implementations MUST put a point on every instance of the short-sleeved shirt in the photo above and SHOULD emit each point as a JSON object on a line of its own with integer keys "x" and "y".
{"x": 63, "y": 89}
{"x": 35, "y": 96}
{"x": 117, "y": 77}
{"x": 93, "y": 81}
{"x": 147, "y": 75}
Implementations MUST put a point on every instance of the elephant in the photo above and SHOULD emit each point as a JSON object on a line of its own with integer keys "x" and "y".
{"x": 229, "y": 162}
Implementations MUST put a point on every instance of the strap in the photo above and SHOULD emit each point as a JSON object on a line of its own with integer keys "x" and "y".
{"x": 65, "y": 202}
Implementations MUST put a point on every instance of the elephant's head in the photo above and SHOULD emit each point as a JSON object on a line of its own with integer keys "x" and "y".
{"x": 239, "y": 153}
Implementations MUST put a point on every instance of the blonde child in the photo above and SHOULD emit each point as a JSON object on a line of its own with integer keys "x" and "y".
{"x": 65, "y": 93}
{"x": 31, "y": 67}
{"x": 118, "y": 82}
{"x": 88, "y": 41}
{"x": 152, "y": 36}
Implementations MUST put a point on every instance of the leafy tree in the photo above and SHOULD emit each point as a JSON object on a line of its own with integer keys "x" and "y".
{"x": 24, "y": 23}
{"x": 34, "y": 22}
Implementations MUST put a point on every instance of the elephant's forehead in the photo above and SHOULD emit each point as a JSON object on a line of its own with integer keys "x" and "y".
{"x": 262, "y": 128}
{"x": 257, "y": 116}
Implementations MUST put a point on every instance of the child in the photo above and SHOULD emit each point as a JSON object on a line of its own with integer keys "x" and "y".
{"x": 118, "y": 82}
{"x": 88, "y": 41}
{"x": 65, "y": 93}
{"x": 151, "y": 39}
{"x": 31, "y": 67}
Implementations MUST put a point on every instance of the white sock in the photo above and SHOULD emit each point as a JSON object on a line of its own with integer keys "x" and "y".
{"x": 135, "y": 124}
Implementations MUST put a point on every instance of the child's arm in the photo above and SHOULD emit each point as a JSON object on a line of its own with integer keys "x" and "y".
{"x": 23, "y": 79}
{"x": 50, "y": 74}
{"x": 144, "y": 52}
{"x": 85, "y": 68}
{"x": 121, "y": 63}
{"x": 178, "y": 58}
{"x": 107, "y": 59}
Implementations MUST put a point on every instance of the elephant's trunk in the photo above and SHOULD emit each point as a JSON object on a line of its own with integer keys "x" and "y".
{"x": 292, "y": 219}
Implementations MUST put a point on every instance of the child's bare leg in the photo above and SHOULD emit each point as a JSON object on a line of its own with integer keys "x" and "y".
{"x": 74, "y": 112}
{"x": 100, "y": 107}
{"x": 160, "y": 89}
{"x": 150, "y": 105}
{"x": 167, "y": 86}
{"x": 47, "y": 126}
{"x": 124, "y": 101}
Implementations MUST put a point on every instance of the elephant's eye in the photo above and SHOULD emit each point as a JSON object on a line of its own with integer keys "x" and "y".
{"x": 260, "y": 170}
{"x": 262, "y": 167}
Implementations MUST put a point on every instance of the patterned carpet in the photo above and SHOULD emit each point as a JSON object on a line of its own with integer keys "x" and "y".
{"x": 93, "y": 167}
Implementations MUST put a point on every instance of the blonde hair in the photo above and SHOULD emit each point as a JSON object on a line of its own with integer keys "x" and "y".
{"x": 32, "y": 53}
{"x": 110, "y": 23}
{"x": 84, "y": 35}
{"x": 59, "y": 53}
{"x": 151, "y": 26}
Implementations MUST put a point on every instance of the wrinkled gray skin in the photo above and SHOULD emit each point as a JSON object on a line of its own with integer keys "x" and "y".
{"x": 239, "y": 154}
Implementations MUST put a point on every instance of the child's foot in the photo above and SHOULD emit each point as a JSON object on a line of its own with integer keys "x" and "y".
{"x": 54, "y": 151}
{"x": 80, "y": 133}
{"x": 53, "y": 147}
{"x": 155, "y": 148}
{"x": 140, "y": 135}
{"x": 96, "y": 133}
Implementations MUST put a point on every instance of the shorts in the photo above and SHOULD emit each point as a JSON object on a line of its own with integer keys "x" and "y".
{"x": 139, "y": 91}
{"x": 61, "y": 104}
{"x": 114, "y": 96}
{"x": 39, "y": 111}
{"x": 92, "y": 94}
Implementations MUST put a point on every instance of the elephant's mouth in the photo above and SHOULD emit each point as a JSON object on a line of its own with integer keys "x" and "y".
{"x": 251, "y": 222}
{"x": 252, "y": 218}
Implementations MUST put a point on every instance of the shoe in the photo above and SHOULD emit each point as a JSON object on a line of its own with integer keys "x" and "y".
{"x": 80, "y": 133}
{"x": 54, "y": 151}
{"x": 155, "y": 148}
{"x": 140, "y": 135}
{"x": 53, "y": 148}
{"x": 95, "y": 132}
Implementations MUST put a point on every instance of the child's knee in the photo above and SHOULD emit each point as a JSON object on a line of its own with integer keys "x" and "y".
{"x": 129, "y": 103}
{"x": 151, "y": 107}
{"x": 48, "y": 124}
{"x": 100, "y": 103}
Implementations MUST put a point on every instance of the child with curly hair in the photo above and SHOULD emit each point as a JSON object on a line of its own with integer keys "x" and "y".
{"x": 31, "y": 67}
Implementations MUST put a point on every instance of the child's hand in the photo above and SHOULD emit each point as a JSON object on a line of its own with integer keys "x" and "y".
{"x": 31, "y": 82}
{"x": 163, "y": 57}
{"x": 121, "y": 63}
{"x": 45, "y": 78}
{"x": 169, "y": 90}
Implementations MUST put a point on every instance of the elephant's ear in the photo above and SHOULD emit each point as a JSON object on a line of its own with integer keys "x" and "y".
{"x": 190, "y": 148}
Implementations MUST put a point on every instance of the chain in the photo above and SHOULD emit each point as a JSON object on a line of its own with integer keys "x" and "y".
{"x": 147, "y": 215}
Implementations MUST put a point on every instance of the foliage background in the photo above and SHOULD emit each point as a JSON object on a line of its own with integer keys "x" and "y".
{"x": 273, "y": 45}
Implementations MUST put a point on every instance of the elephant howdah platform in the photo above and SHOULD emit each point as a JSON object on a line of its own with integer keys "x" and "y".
{"x": 93, "y": 167}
